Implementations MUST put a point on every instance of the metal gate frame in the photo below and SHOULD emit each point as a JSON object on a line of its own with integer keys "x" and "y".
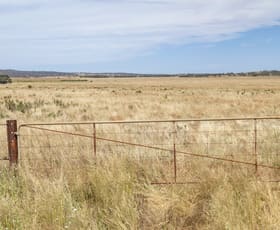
{"x": 44, "y": 127}
{"x": 13, "y": 140}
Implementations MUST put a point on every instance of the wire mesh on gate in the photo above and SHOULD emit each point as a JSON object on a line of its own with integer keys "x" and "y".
{"x": 171, "y": 151}
{"x": 3, "y": 144}
{"x": 268, "y": 147}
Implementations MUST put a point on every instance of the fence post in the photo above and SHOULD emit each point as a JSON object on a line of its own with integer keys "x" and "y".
{"x": 12, "y": 142}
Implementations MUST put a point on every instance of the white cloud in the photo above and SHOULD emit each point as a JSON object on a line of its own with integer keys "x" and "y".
{"x": 77, "y": 31}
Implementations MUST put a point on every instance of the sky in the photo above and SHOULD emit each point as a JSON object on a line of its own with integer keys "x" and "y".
{"x": 140, "y": 36}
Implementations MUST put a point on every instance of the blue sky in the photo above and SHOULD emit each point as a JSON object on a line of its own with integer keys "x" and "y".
{"x": 148, "y": 36}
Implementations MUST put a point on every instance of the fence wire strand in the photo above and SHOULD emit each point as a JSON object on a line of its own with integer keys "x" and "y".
{"x": 3, "y": 143}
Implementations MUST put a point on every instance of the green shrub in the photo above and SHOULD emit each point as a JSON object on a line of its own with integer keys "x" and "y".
{"x": 4, "y": 79}
{"x": 16, "y": 105}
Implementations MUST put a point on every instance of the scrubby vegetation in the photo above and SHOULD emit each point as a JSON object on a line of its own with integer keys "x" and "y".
{"x": 4, "y": 79}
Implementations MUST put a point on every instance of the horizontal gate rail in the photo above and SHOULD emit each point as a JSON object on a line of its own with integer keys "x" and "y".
{"x": 153, "y": 121}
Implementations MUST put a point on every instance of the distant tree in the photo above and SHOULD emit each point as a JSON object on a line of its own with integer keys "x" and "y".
{"x": 4, "y": 79}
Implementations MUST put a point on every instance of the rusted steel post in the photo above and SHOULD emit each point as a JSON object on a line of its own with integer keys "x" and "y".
{"x": 174, "y": 152}
{"x": 255, "y": 145}
{"x": 12, "y": 142}
{"x": 94, "y": 140}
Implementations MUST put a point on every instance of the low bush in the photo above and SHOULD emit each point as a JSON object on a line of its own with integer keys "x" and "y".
{"x": 4, "y": 79}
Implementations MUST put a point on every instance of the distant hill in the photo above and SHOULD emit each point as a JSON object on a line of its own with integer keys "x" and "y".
{"x": 241, "y": 74}
{"x": 19, "y": 73}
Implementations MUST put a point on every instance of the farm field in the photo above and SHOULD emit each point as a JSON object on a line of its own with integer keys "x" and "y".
{"x": 64, "y": 190}
{"x": 142, "y": 98}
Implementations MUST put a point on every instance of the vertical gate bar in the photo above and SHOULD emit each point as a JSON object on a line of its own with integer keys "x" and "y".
{"x": 12, "y": 142}
{"x": 208, "y": 142}
{"x": 255, "y": 145}
{"x": 174, "y": 152}
{"x": 232, "y": 152}
{"x": 94, "y": 139}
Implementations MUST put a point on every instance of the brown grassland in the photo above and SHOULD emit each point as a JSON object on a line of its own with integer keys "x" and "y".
{"x": 116, "y": 193}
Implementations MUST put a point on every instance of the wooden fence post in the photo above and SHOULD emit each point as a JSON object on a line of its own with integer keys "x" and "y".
{"x": 12, "y": 142}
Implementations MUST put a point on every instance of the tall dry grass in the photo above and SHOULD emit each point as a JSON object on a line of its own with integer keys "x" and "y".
{"x": 117, "y": 194}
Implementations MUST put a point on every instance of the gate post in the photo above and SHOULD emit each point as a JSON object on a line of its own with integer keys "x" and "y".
{"x": 12, "y": 142}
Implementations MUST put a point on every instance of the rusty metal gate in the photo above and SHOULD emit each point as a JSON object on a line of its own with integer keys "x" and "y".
{"x": 175, "y": 151}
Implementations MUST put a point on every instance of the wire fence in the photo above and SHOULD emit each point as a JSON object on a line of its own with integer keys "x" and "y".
{"x": 3, "y": 144}
{"x": 172, "y": 151}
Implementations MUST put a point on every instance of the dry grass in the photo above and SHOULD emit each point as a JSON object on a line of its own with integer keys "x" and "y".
{"x": 116, "y": 192}
{"x": 118, "y": 99}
